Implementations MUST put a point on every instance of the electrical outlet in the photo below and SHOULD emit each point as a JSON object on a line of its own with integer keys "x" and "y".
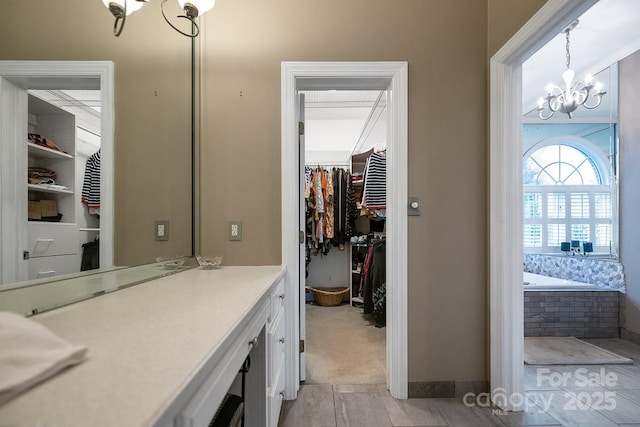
{"x": 235, "y": 230}
{"x": 162, "y": 230}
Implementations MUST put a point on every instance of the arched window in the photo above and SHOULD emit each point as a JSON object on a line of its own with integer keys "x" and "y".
{"x": 567, "y": 195}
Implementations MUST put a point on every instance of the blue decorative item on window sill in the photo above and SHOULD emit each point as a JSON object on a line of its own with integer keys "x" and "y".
{"x": 573, "y": 248}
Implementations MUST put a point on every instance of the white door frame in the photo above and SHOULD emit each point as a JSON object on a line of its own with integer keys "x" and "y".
{"x": 505, "y": 189}
{"x": 26, "y": 74}
{"x": 393, "y": 76}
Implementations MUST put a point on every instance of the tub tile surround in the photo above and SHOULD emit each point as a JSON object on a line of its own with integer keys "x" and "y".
{"x": 582, "y": 314}
{"x": 604, "y": 273}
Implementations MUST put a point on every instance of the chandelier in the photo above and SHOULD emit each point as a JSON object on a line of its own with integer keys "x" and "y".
{"x": 568, "y": 100}
{"x": 192, "y": 8}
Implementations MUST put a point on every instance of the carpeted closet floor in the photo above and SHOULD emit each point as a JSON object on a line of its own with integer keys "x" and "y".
{"x": 343, "y": 346}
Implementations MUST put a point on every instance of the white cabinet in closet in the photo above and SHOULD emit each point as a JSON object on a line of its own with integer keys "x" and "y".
{"x": 52, "y": 231}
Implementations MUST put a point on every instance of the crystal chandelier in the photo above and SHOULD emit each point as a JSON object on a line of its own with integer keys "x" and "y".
{"x": 568, "y": 100}
{"x": 192, "y": 8}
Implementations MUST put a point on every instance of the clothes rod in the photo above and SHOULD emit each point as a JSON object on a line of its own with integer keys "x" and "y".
{"x": 337, "y": 165}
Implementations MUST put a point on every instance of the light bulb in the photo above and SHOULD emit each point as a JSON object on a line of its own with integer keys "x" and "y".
{"x": 549, "y": 88}
{"x": 588, "y": 79}
{"x": 540, "y": 102}
{"x": 598, "y": 87}
{"x": 202, "y": 5}
{"x": 132, "y": 5}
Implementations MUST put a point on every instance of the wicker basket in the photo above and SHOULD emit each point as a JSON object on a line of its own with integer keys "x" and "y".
{"x": 329, "y": 297}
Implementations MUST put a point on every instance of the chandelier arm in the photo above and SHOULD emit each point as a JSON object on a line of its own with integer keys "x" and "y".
{"x": 192, "y": 35}
{"x": 117, "y": 30}
{"x": 597, "y": 104}
{"x": 121, "y": 16}
{"x": 555, "y": 87}
{"x": 543, "y": 117}
{"x": 559, "y": 100}
{"x": 580, "y": 95}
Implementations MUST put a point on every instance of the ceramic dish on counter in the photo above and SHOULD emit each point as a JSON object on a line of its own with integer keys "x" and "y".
{"x": 209, "y": 263}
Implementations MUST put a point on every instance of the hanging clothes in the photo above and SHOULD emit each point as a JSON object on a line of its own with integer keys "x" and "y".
{"x": 325, "y": 209}
{"x": 329, "y": 226}
{"x": 91, "y": 184}
{"x": 90, "y": 255}
{"x": 375, "y": 184}
{"x": 351, "y": 209}
{"x": 375, "y": 273}
{"x": 340, "y": 206}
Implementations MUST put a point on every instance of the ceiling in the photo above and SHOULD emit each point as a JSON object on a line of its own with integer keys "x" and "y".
{"x": 85, "y": 104}
{"x": 343, "y": 122}
{"x": 606, "y": 33}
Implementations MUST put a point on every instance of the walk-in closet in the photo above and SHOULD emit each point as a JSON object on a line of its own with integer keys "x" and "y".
{"x": 345, "y": 241}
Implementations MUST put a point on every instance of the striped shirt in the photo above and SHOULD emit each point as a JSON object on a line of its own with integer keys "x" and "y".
{"x": 375, "y": 181}
{"x": 91, "y": 183}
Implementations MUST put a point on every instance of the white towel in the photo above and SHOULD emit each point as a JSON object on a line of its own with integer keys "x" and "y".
{"x": 30, "y": 353}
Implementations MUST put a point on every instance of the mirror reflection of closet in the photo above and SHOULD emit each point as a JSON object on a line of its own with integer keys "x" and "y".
{"x": 64, "y": 181}
{"x": 52, "y": 138}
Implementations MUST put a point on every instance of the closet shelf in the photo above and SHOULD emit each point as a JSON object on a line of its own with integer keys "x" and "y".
{"x": 88, "y": 229}
{"x": 46, "y": 153}
{"x": 45, "y": 188}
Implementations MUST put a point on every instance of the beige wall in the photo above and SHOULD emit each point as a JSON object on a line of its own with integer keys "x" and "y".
{"x": 152, "y": 132}
{"x": 629, "y": 135}
{"x": 445, "y": 44}
{"x": 506, "y": 17}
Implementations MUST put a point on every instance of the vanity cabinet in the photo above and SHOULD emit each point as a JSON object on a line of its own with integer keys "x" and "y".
{"x": 275, "y": 351}
{"x": 263, "y": 340}
{"x": 185, "y": 338}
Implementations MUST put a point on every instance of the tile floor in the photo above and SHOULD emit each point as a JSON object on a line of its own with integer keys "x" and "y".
{"x": 573, "y": 395}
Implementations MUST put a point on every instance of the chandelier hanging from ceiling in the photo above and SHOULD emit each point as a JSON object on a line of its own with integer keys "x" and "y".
{"x": 567, "y": 100}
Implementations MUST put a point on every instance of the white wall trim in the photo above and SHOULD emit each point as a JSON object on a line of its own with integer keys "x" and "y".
{"x": 505, "y": 185}
{"x": 316, "y": 75}
{"x": 22, "y": 73}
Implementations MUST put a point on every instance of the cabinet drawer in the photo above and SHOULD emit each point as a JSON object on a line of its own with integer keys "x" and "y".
{"x": 275, "y": 349}
{"x": 277, "y": 299}
{"x": 53, "y": 239}
{"x": 53, "y": 266}
{"x": 276, "y": 396}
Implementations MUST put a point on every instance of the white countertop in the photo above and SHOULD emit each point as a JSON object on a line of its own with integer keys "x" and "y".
{"x": 145, "y": 343}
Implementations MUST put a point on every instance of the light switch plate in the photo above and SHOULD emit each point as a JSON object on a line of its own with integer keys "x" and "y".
{"x": 162, "y": 230}
{"x": 235, "y": 230}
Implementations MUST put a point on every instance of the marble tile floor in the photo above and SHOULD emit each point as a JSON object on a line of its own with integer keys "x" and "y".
{"x": 568, "y": 395}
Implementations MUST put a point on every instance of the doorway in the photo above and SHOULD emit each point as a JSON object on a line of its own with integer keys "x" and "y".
{"x": 505, "y": 189}
{"x": 391, "y": 76}
{"x": 344, "y": 147}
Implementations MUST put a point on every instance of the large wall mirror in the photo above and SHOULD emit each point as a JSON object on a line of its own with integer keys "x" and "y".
{"x": 57, "y": 169}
